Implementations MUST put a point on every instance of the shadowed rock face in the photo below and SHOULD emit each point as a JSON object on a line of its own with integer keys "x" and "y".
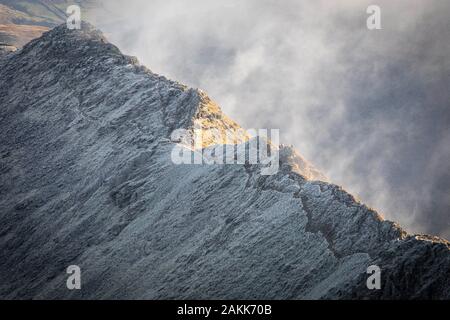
{"x": 87, "y": 180}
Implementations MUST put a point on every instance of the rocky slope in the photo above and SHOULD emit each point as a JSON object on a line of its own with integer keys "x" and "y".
{"x": 87, "y": 180}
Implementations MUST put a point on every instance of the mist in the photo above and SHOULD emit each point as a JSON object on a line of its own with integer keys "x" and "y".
{"x": 369, "y": 108}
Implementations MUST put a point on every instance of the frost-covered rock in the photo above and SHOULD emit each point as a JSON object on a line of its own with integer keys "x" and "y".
{"x": 87, "y": 179}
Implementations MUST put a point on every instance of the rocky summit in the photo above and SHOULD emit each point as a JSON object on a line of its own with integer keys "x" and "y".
{"x": 86, "y": 179}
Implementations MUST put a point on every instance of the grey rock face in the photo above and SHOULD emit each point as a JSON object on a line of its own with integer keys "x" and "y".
{"x": 87, "y": 180}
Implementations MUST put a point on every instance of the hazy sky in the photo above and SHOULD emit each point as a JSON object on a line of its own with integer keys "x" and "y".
{"x": 371, "y": 109}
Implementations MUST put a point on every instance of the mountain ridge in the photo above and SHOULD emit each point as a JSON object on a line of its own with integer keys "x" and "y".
{"x": 87, "y": 180}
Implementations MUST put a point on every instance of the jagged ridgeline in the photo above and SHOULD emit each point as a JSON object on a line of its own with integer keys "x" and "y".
{"x": 87, "y": 180}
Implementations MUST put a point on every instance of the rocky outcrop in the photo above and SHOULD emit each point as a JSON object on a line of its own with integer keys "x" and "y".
{"x": 87, "y": 180}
